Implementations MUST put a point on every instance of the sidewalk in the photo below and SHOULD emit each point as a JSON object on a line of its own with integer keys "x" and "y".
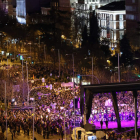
{"x": 10, "y": 63}
{"x": 23, "y": 136}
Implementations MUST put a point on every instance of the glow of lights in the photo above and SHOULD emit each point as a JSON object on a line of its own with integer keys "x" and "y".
{"x": 2, "y": 52}
{"x": 7, "y": 54}
{"x": 21, "y": 20}
{"x": 48, "y": 110}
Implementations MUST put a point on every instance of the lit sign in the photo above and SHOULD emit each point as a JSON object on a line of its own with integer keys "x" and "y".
{"x": 21, "y": 57}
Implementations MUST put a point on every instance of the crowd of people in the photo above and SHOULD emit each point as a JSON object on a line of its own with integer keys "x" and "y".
{"x": 54, "y": 110}
{"x": 102, "y": 107}
{"x": 52, "y": 107}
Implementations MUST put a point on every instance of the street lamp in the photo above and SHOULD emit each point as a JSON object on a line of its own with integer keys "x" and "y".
{"x": 22, "y": 72}
{"x": 58, "y": 59}
{"x": 73, "y": 91}
{"x": 30, "y": 47}
{"x": 6, "y": 112}
{"x": 92, "y": 67}
{"x": 119, "y": 67}
{"x": 45, "y": 55}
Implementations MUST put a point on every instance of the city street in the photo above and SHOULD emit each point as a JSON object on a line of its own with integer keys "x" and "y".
{"x": 23, "y": 136}
{"x": 10, "y": 63}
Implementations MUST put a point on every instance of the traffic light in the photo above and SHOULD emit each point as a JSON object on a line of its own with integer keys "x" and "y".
{"x": 21, "y": 57}
{"x": 78, "y": 76}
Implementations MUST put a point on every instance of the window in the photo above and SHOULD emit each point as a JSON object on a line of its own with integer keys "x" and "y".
{"x": 121, "y": 34}
{"x": 133, "y": 1}
{"x": 120, "y": 17}
{"x": 121, "y": 25}
{"x": 111, "y": 17}
{"x": 131, "y": 8}
{"x": 131, "y": 17}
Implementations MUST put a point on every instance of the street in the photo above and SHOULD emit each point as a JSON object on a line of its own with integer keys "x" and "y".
{"x": 23, "y": 136}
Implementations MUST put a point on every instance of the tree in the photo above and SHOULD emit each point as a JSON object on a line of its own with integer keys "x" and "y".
{"x": 84, "y": 35}
{"x": 106, "y": 51}
{"x": 125, "y": 49}
{"x": 94, "y": 29}
{"x": 94, "y": 39}
{"x": 114, "y": 61}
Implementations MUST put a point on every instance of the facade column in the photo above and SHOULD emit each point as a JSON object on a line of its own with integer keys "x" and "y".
{"x": 135, "y": 106}
{"x": 115, "y": 104}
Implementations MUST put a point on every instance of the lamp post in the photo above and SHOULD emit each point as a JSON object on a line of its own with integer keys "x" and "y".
{"x": 30, "y": 43}
{"x": 22, "y": 74}
{"x": 6, "y": 112}
{"x": 33, "y": 117}
{"x": 27, "y": 83}
{"x": 119, "y": 67}
{"x": 45, "y": 55}
{"x": 92, "y": 67}
{"x": 73, "y": 90}
{"x": 58, "y": 59}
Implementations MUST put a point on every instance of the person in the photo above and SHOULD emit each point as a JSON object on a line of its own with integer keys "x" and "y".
{"x": 101, "y": 122}
{"x": 130, "y": 136}
{"x": 62, "y": 134}
{"x": 106, "y": 136}
{"x": 47, "y": 134}
{"x": 12, "y": 135}
{"x": 28, "y": 131}
{"x": 44, "y": 133}
{"x": 137, "y": 136}
{"x": 106, "y": 122}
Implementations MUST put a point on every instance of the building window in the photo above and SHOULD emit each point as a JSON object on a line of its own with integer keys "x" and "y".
{"x": 130, "y": 8}
{"x": 120, "y": 17}
{"x": 130, "y": 17}
{"x": 121, "y": 24}
{"x": 111, "y": 17}
{"x": 121, "y": 34}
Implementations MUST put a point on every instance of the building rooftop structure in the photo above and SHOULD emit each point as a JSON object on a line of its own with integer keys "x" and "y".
{"x": 111, "y": 19}
{"x": 114, "y": 6}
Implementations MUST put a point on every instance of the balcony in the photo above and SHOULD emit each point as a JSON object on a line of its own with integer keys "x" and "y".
{"x": 81, "y": 1}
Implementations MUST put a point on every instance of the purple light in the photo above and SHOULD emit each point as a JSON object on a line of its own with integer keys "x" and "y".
{"x": 114, "y": 124}
{"x": 78, "y": 104}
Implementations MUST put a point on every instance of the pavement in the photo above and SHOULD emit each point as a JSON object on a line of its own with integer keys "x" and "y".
{"x": 10, "y": 63}
{"x": 23, "y": 136}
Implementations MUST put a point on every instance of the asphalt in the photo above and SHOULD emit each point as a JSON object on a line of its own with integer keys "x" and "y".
{"x": 23, "y": 136}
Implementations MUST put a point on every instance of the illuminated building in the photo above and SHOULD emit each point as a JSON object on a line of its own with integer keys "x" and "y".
{"x": 27, "y": 7}
{"x": 132, "y": 22}
{"x": 12, "y": 8}
{"x": 92, "y": 4}
{"x": 4, "y": 5}
{"x": 111, "y": 18}
{"x": 55, "y": 4}
{"x": 66, "y": 5}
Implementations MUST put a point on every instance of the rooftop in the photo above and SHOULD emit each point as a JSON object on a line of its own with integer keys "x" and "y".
{"x": 114, "y": 6}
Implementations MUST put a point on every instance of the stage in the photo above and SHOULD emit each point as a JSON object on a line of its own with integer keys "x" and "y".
{"x": 112, "y": 125}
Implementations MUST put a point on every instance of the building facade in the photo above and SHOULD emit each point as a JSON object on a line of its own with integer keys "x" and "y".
{"x": 132, "y": 22}
{"x": 92, "y": 4}
{"x": 45, "y": 10}
{"x": 66, "y": 5}
{"x": 4, "y": 5}
{"x": 27, "y": 7}
{"x": 112, "y": 22}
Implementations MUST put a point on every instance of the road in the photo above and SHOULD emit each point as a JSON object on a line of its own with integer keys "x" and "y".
{"x": 11, "y": 63}
{"x": 23, "y": 136}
